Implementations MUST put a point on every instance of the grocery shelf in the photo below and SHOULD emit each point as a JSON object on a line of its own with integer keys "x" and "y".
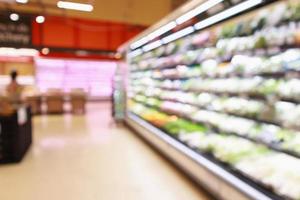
{"x": 261, "y": 97}
{"x": 219, "y": 111}
{"x": 213, "y": 128}
{"x": 210, "y": 175}
{"x": 264, "y": 52}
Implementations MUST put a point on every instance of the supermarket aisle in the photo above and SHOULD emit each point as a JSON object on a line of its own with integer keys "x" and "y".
{"x": 86, "y": 158}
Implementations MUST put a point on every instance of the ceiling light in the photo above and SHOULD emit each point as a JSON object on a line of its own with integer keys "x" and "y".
{"x": 178, "y": 34}
{"x": 40, "y": 19}
{"x": 139, "y": 43}
{"x": 197, "y": 11}
{"x": 153, "y": 35}
{"x": 22, "y": 1}
{"x": 75, "y": 6}
{"x": 162, "y": 30}
{"x": 227, "y": 13}
{"x": 45, "y": 51}
{"x": 152, "y": 45}
{"x": 14, "y": 17}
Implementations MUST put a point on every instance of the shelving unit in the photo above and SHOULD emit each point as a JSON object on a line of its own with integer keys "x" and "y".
{"x": 218, "y": 89}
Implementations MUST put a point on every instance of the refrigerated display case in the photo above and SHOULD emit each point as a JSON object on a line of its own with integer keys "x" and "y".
{"x": 215, "y": 87}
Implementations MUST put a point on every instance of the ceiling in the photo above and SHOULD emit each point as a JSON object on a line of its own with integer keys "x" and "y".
{"x": 143, "y": 12}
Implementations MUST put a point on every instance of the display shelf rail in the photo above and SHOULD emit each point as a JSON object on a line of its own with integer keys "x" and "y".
{"x": 261, "y": 97}
{"x": 284, "y": 74}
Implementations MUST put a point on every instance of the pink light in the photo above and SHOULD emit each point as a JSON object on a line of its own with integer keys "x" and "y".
{"x": 95, "y": 77}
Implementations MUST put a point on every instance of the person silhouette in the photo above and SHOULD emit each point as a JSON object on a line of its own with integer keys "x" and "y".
{"x": 14, "y": 89}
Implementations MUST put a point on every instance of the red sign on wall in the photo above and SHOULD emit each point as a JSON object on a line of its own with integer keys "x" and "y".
{"x": 60, "y": 32}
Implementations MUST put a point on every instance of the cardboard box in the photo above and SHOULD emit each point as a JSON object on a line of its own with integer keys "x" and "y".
{"x": 35, "y": 102}
{"x": 78, "y": 101}
{"x": 55, "y": 101}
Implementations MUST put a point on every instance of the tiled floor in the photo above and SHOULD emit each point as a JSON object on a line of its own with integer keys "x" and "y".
{"x": 89, "y": 158}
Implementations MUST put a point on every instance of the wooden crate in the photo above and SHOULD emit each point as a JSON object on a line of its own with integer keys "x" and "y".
{"x": 55, "y": 101}
{"x": 35, "y": 102}
{"x": 78, "y": 101}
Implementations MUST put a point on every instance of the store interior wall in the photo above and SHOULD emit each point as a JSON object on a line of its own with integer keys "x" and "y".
{"x": 23, "y": 68}
{"x": 93, "y": 76}
{"x": 108, "y": 26}
{"x": 82, "y": 33}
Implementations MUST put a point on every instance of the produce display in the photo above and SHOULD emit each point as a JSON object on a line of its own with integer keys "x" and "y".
{"x": 231, "y": 92}
{"x": 277, "y": 170}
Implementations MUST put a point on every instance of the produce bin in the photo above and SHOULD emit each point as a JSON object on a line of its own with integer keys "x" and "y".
{"x": 35, "y": 102}
{"x": 78, "y": 101}
{"x": 55, "y": 102}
